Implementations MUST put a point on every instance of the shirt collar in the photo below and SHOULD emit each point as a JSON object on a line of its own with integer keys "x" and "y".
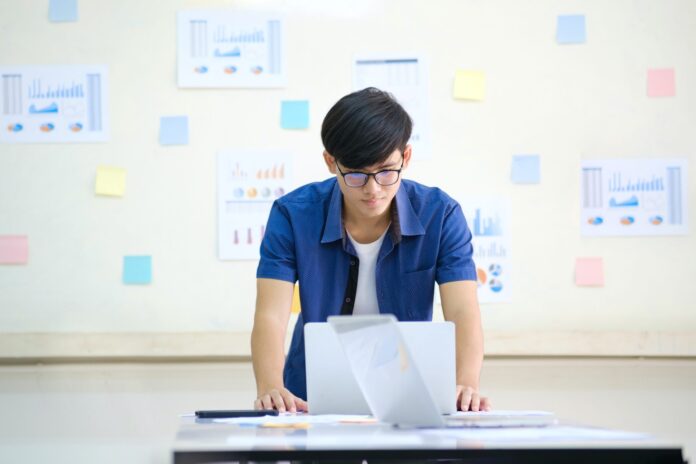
{"x": 404, "y": 218}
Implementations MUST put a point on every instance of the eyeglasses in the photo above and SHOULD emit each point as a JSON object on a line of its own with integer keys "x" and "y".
{"x": 384, "y": 178}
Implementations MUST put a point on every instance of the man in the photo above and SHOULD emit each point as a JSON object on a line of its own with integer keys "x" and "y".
{"x": 363, "y": 242}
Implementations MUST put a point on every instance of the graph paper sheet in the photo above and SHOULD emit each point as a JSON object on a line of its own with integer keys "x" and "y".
{"x": 223, "y": 48}
{"x": 54, "y": 104}
{"x": 633, "y": 197}
{"x": 248, "y": 183}
{"x": 405, "y": 77}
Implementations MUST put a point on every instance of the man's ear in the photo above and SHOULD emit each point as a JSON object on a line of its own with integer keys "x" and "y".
{"x": 408, "y": 151}
{"x": 330, "y": 162}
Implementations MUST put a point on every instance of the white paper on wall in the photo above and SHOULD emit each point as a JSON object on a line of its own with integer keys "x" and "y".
{"x": 248, "y": 183}
{"x": 225, "y": 48}
{"x": 54, "y": 104}
{"x": 633, "y": 197}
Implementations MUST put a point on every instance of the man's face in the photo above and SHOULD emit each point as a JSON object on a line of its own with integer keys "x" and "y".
{"x": 372, "y": 199}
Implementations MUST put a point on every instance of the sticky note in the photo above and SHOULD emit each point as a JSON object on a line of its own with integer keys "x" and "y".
{"x": 137, "y": 269}
{"x": 469, "y": 85}
{"x": 14, "y": 249}
{"x": 294, "y": 114}
{"x": 62, "y": 10}
{"x": 110, "y": 181}
{"x": 570, "y": 29}
{"x": 295, "y": 308}
{"x": 173, "y": 130}
{"x": 589, "y": 272}
{"x": 661, "y": 82}
{"x": 525, "y": 169}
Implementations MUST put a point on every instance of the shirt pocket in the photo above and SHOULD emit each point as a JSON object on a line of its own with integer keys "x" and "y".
{"x": 417, "y": 291}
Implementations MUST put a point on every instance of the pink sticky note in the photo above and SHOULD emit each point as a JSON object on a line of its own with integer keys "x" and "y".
{"x": 661, "y": 83}
{"x": 14, "y": 249}
{"x": 589, "y": 272}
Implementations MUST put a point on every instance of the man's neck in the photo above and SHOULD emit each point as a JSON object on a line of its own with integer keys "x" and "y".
{"x": 366, "y": 230}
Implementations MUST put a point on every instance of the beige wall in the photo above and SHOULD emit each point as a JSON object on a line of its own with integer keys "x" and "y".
{"x": 121, "y": 413}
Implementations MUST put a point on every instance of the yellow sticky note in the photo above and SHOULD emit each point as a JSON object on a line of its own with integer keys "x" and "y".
{"x": 295, "y": 308}
{"x": 469, "y": 85}
{"x": 110, "y": 181}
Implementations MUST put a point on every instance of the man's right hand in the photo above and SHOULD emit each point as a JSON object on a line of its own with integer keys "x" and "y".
{"x": 281, "y": 399}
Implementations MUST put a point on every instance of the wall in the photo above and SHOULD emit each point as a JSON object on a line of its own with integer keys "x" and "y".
{"x": 566, "y": 103}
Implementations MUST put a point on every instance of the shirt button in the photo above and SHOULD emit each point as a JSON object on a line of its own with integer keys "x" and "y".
{"x": 352, "y": 262}
{"x": 347, "y": 300}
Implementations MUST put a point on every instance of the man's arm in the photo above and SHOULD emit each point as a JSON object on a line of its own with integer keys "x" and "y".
{"x": 273, "y": 303}
{"x": 460, "y": 306}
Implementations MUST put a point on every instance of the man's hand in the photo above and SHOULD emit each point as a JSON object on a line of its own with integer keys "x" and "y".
{"x": 281, "y": 399}
{"x": 468, "y": 399}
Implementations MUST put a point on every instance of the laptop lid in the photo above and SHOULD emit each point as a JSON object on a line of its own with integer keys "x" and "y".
{"x": 386, "y": 371}
{"x": 333, "y": 389}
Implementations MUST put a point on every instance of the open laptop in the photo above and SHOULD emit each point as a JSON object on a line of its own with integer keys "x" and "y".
{"x": 333, "y": 389}
{"x": 395, "y": 388}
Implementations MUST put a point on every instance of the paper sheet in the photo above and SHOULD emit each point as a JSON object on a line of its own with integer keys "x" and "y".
{"x": 406, "y": 77}
{"x": 54, "y": 104}
{"x": 248, "y": 183}
{"x": 228, "y": 48}
{"x": 634, "y": 197}
{"x": 299, "y": 418}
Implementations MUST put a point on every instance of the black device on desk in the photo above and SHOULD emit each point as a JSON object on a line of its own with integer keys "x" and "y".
{"x": 223, "y": 413}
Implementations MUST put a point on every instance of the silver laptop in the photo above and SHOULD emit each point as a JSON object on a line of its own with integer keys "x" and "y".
{"x": 395, "y": 386}
{"x": 333, "y": 389}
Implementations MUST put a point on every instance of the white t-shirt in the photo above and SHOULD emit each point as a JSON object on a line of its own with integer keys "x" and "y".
{"x": 366, "y": 294}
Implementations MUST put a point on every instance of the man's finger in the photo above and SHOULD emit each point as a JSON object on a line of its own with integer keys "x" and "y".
{"x": 278, "y": 400}
{"x": 475, "y": 402}
{"x": 289, "y": 400}
{"x": 266, "y": 402}
{"x": 485, "y": 404}
{"x": 466, "y": 398}
{"x": 301, "y": 404}
{"x": 257, "y": 404}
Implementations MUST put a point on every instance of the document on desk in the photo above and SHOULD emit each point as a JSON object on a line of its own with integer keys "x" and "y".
{"x": 560, "y": 433}
{"x": 292, "y": 419}
{"x": 501, "y": 418}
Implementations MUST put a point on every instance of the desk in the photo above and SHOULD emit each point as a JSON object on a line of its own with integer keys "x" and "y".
{"x": 205, "y": 441}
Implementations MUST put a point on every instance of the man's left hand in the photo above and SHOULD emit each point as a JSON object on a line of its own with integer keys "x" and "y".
{"x": 469, "y": 399}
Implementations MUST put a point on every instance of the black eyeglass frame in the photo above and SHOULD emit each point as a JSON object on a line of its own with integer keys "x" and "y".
{"x": 372, "y": 174}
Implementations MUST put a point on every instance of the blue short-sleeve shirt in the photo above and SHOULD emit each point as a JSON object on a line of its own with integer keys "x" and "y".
{"x": 428, "y": 241}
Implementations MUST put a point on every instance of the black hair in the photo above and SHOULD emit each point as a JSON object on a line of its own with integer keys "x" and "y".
{"x": 365, "y": 127}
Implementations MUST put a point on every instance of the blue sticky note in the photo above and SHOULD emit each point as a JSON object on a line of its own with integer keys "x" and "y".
{"x": 294, "y": 114}
{"x": 137, "y": 269}
{"x": 525, "y": 169}
{"x": 62, "y": 10}
{"x": 570, "y": 29}
{"x": 173, "y": 130}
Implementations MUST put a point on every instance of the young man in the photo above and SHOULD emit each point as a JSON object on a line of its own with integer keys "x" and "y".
{"x": 363, "y": 242}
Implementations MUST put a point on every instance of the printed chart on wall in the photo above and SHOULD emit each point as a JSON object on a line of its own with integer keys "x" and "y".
{"x": 488, "y": 219}
{"x": 54, "y": 104}
{"x": 220, "y": 48}
{"x": 248, "y": 183}
{"x": 634, "y": 197}
{"x": 405, "y": 77}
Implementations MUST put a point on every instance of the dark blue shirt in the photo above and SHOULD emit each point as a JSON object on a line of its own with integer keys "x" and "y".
{"x": 428, "y": 241}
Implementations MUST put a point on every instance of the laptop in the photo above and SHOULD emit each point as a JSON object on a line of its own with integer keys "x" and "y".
{"x": 395, "y": 387}
{"x": 333, "y": 389}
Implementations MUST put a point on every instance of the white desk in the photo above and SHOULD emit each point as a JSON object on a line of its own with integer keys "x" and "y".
{"x": 202, "y": 441}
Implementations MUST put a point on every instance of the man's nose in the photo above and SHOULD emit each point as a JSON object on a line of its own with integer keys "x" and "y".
{"x": 372, "y": 185}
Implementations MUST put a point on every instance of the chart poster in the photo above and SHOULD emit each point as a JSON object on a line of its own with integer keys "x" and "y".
{"x": 223, "y": 48}
{"x": 633, "y": 197}
{"x": 488, "y": 219}
{"x": 248, "y": 183}
{"x": 54, "y": 104}
{"x": 405, "y": 77}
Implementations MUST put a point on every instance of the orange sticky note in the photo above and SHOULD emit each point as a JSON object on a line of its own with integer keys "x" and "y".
{"x": 295, "y": 309}
{"x": 661, "y": 83}
{"x": 589, "y": 272}
{"x": 14, "y": 249}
